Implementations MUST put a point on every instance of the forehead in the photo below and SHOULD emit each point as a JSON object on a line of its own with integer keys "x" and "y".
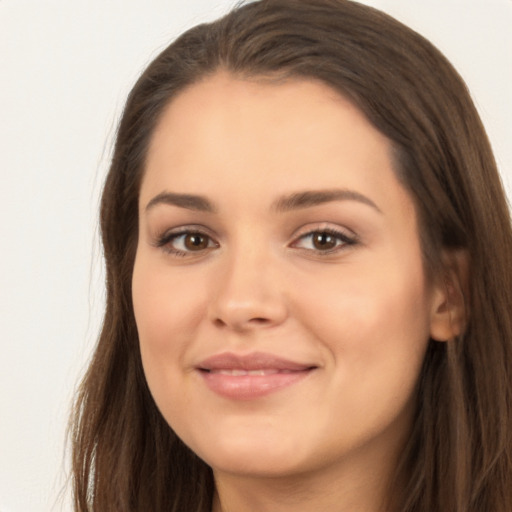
{"x": 249, "y": 138}
{"x": 269, "y": 112}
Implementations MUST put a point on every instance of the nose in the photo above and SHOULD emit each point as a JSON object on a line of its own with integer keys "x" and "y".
{"x": 248, "y": 293}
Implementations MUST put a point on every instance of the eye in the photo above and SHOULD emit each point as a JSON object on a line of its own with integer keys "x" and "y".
{"x": 184, "y": 243}
{"x": 324, "y": 241}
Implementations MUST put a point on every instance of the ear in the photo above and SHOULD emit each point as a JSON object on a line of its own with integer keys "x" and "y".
{"x": 449, "y": 314}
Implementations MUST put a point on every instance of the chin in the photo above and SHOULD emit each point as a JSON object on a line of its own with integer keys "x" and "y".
{"x": 254, "y": 455}
{"x": 262, "y": 465}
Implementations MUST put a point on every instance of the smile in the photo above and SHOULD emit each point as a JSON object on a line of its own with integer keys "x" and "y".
{"x": 239, "y": 373}
{"x": 250, "y": 376}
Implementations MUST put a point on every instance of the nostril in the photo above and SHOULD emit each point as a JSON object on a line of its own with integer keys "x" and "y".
{"x": 256, "y": 321}
{"x": 259, "y": 320}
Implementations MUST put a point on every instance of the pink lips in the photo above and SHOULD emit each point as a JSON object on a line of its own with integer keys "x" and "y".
{"x": 250, "y": 376}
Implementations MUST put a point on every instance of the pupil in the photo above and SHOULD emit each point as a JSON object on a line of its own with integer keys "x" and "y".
{"x": 324, "y": 241}
{"x": 195, "y": 242}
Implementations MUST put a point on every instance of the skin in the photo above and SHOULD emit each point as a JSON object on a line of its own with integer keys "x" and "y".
{"x": 361, "y": 313}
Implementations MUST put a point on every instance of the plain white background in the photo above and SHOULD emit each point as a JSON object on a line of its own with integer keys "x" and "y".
{"x": 66, "y": 68}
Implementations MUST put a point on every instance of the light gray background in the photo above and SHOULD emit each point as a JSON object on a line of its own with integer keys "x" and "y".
{"x": 66, "y": 68}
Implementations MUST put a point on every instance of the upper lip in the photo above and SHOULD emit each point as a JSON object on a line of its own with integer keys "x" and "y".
{"x": 252, "y": 361}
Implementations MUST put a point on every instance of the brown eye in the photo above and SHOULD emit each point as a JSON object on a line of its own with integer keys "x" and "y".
{"x": 323, "y": 241}
{"x": 186, "y": 243}
{"x": 195, "y": 241}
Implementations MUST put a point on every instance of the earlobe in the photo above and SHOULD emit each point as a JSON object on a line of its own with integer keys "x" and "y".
{"x": 449, "y": 314}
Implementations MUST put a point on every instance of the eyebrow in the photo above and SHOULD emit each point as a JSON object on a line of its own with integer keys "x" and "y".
{"x": 295, "y": 201}
{"x": 311, "y": 198}
{"x": 187, "y": 201}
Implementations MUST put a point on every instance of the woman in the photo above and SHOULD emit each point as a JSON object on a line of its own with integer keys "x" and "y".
{"x": 309, "y": 275}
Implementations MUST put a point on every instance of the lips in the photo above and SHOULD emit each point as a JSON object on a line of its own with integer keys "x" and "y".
{"x": 246, "y": 377}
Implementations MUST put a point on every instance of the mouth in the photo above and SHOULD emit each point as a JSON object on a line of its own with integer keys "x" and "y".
{"x": 246, "y": 377}
{"x": 239, "y": 373}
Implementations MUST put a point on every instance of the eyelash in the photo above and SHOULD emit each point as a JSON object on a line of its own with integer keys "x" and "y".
{"x": 343, "y": 240}
{"x": 165, "y": 241}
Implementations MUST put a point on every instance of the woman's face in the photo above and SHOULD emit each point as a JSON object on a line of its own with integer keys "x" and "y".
{"x": 280, "y": 297}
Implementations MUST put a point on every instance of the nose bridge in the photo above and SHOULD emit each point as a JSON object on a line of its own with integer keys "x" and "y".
{"x": 248, "y": 291}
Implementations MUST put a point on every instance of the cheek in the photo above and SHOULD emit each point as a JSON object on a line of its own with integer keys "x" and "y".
{"x": 168, "y": 312}
{"x": 165, "y": 303}
{"x": 376, "y": 331}
{"x": 374, "y": 323}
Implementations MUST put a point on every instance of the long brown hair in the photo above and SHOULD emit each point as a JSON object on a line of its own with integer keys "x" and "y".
{"x": 459, "y": 455}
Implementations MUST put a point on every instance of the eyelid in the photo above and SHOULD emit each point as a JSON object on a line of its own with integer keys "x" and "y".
{"x": 164, "y": 240}
{"x": 347, "y": 237}
{"x": 313, "y": 227}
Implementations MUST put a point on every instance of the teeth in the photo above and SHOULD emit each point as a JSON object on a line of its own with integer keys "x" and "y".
{"x": 239, "y": 373}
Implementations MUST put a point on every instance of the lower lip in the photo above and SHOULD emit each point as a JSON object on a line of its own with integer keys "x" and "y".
{"x": 248, "y": 387}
